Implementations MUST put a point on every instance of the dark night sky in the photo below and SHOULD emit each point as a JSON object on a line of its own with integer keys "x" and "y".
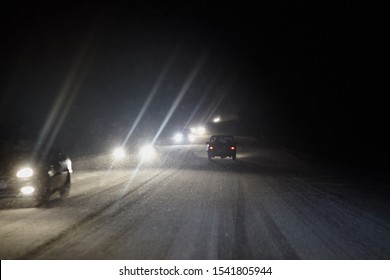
{"x": 311, "y": 77}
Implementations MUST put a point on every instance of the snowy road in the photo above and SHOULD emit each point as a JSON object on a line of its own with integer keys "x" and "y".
{"x": 268, "y": 204}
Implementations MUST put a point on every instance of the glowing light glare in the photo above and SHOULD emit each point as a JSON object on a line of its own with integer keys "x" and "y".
{"x": 69, "y": 165}
{"x": 118, "y": 153}
{"x": 178, "y": 137}
{"x": 201, "y": 130}
{"x": 182, "y": 93}
{"x": 25, "y": 172}
{"x": 198, "y": 130}
{"x": 27, "y": 190}
{"x": 147, "y": 152}
{"x": 217, "y": 119}
{"x": 191, "y": 137}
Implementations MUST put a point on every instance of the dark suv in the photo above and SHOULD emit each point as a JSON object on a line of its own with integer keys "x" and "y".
{"x": 222, "y": 146}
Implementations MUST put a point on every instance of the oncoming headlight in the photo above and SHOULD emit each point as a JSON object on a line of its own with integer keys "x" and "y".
{"x": 119, "y": 153}
{"x": 147, "y": 152}
{"x": 25, "y": 172}
{"x": 201, "y": 130}
{"x": 27, "y": 190}
{"x": 178, "y": 137}
{"x": 217, "y": 119}
{"x": 191, "y": 137}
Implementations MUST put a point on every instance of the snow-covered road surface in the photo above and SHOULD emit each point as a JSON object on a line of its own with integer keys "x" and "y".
{"x": 268, "y": 204}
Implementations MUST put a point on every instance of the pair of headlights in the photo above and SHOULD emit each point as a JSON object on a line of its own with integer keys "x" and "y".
{"x": 179, "y": 137}
{"x": 146, "y": 152}
{"x": 26, "y": 172}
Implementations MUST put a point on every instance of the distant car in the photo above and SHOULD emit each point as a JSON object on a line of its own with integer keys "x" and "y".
{"x": 184, "y": 137}
{"x": 30, "y": 172}
{"x": 123, "y": 155}
{"x": 222, "y": 146}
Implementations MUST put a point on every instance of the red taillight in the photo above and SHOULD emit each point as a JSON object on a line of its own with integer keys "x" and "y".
{"x": 232, "y": 148}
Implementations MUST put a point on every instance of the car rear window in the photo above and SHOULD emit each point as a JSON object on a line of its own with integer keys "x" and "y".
{"x": 222, "y": 139}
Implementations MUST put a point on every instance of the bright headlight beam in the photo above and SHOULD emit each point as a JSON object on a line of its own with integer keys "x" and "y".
{"x": 118, "y": 153}
{"x": 151, "y": 95}
{"x": 145, "y": 106}
{"x": 182, "y": 92}
{"x": 27, "y": 190}
{"x": 200, "y": 103}
{"x": 25, "y": 172}
{"x": 147, "y": 152}
{"x": 178, "y": 137}
{"x": 218, "y": 98}
{"x": 66, "y": 96}
{"x": 201, "y": 130}
{"x": 191, "y": 137}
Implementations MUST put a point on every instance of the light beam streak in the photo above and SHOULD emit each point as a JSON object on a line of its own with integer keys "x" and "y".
{"x": 182, "y": 92}
{"x": 151, "y": 96}
{"x": 65, "y": 98}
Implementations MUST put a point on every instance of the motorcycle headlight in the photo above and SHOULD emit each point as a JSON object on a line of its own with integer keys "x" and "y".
{"x": 25, "y": 172}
